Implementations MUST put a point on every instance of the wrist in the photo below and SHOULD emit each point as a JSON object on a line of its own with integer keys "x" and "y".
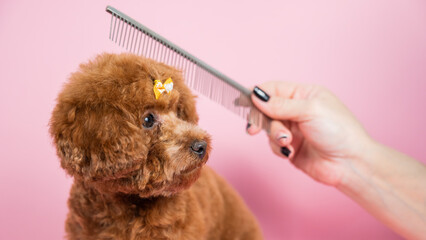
{"x": 389, "y": 185}
{"x": 359, "y": 169}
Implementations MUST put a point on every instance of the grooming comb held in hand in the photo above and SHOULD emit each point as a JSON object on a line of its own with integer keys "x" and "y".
{"x": 140, "y": 40}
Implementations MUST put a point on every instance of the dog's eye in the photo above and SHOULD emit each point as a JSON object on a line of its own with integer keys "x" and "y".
{"x": 148, "y": 120}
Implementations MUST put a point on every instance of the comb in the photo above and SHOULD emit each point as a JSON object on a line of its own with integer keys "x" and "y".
{"x": 142, "y": 41}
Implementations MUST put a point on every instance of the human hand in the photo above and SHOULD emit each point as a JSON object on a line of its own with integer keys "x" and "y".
{"x": 312, "y": 128}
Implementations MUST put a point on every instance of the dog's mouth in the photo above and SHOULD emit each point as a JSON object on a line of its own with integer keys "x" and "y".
{"x": 192, "y": 168}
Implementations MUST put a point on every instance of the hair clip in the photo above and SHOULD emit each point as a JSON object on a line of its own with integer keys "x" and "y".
{"x": 160, "y": 88}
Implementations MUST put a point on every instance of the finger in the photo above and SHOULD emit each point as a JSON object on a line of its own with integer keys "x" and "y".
{"x": 282, "y": 88}
{"x": 284, "y": 152}
{"x": 280, "y": 108}
{"x": 280, "y": 134}
{"x": 252, "y": 129}
{"x": 243, "y": 100}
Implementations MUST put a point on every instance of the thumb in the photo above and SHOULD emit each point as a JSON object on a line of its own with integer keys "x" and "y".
{"x": 280, "y": 108}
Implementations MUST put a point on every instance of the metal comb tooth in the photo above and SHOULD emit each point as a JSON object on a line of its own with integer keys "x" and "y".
{"x": 140, "y": 40}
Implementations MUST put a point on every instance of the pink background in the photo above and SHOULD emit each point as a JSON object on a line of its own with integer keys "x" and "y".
{"x": 372, "y": 54}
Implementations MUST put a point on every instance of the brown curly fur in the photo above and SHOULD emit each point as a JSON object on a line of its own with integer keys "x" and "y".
{"x": 131, "y": 182}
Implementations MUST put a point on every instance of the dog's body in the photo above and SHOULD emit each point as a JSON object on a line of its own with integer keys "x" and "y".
{"x": 137, "y": 161}
{"x": 209, "y": 209}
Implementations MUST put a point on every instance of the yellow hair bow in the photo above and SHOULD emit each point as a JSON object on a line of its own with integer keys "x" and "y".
{"x": 160, "y": 88}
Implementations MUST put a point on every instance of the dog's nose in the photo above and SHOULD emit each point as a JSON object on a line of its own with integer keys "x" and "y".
{"x": 199, "y": 148}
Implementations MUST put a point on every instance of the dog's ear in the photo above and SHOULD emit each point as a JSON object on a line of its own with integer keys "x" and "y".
{"x": 186, "y": 109}
{"x": 73, "y": 159}
{"x": 95, "y": 144}
{"x": 61, "y": 130}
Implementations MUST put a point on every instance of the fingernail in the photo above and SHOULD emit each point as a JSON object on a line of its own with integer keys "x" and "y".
{"x": 248, "y": 126}
{"x": 285, "y": 151}
{"x": 282, "y": 137}
{"x": 260, "y": 94}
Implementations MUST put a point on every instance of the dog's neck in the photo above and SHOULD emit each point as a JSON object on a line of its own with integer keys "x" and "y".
{"x": 134, "y": 199}
{"x": 123, "y": 200}
{"x": 100, "y": 210}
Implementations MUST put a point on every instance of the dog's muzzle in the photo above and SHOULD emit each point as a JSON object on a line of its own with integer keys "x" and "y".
{"x": 199, "y": 148}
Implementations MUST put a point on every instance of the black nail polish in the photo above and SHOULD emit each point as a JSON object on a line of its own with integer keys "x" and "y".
{"x": 260, "y": 94}
{"x": 285, "y": 151}
{"x": 248, "y": 126}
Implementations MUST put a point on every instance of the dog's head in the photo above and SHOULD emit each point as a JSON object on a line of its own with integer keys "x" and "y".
{"x": 112, "y": 133}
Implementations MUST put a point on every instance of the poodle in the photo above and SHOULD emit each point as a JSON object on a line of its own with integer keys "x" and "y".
{"x": 138, "y": 162}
